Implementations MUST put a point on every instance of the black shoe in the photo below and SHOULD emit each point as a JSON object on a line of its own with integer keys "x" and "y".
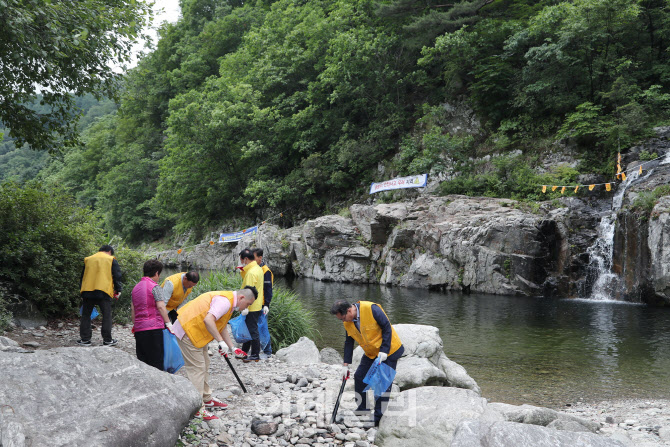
{"x": 84, "y": 342}
{"x": 251, "y": 358}
{"x": 112, "y": 342}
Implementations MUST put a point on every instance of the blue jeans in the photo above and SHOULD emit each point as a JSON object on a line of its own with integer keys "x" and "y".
{"x": 359, "y": 385}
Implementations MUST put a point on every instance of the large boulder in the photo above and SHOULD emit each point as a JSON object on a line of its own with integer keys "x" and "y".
{"x": 529, "y": 414}
{"x": 427, "y": 416}
{"x": 91, "y": 396}
{"x": 477, "y": 433}
{"x": 424, "y": 362}
{"x": 302, "y": 352}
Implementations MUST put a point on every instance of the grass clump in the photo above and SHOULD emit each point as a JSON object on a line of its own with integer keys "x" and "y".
{"x": 288, "y": 319}
{"x": 646, "y": 200}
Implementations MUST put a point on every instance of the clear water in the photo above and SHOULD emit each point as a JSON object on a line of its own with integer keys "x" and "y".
{"x": 539, "y": 351}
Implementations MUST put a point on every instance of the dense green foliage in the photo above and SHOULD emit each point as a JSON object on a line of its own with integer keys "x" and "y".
{"x": 44, "y": 239}
{"x": 63, "y": 48}
{"x": 288, "y": 320}
{"x": 250, "y": 108}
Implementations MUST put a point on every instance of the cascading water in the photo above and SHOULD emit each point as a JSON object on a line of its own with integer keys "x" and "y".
{"x": 606, "y": 285}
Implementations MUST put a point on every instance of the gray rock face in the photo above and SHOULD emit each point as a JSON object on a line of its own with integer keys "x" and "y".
{"x": 484, "y": 434}
{"x": 659, "y": 247}
{"x": 427, "y": 416}
{"x": 302, "y": 352}
{"x": 91, "y": 396}
{"x": 330, "y": 356}
{"x": 529, "y": 414}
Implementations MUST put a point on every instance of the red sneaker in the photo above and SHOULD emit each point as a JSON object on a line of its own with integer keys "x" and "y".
{"x": 216, "y": 404}
{"x": 206, "y": 415}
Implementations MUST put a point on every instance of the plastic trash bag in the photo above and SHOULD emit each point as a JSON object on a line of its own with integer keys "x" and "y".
{"x": 93, "y": 314}
{"x": 172, "y": 358}
{"x": 379, "y": 378}
{"x": 263, "y": 330}
{"x": 239, "y": 328}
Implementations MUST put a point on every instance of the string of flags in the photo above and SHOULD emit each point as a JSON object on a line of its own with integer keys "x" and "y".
{"x": 620, "y": 175}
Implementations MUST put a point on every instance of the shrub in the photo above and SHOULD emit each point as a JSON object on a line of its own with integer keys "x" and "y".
{"x": 131, "y": 262}
{"x": 646, "y": 200}
{"x": 288, "y": 320}
{"x": 44, "y": 238}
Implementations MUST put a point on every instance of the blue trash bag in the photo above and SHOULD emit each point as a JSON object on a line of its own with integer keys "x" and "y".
{"x": 263, "y": 330}
{"x": 379, "y": 378}
{"x": 239, "y": 328}
{"x": 172, "y": 358}
{"x": 93, "y": 314}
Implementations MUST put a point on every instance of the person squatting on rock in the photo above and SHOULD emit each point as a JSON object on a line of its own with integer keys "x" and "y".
{"x": 175, "y": 290}
{"x": 252, "y": 275}
{"x": 268, "y": 283}
{"x": 367, "y": 323}
{"x": 200, "y": 321}
{"x": 100, "y": 281}
{"x": 149, "y": 315}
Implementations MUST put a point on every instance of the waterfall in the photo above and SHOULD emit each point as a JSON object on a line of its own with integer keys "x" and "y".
{"x": 607, "y": 285}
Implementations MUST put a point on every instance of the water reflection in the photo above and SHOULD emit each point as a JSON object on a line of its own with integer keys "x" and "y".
{"x": 524, "y": 350}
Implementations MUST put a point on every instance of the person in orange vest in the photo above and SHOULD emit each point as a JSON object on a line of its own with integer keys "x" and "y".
{"x": 367, "y": 323}
{"x": 252, "y": 275}
{"x": 200, "y": 321}
{"x": 100, "y": 281}
{"x": 176, "y": 288}
{"x": 268, "y": 283}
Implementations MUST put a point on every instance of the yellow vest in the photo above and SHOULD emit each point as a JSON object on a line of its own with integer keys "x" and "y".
{"x": 178, "y": 296}
{"x": 252, "y": 275}
{"x": 272, "y": 275}
{"x": 192, "y": 317}
{"x": 98, "y": 274}
{"x": 370, "y": 335}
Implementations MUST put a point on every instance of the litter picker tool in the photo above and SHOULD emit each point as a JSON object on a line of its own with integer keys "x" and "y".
{"x": 235, "y": 373}
{"x": 339, "y": 396}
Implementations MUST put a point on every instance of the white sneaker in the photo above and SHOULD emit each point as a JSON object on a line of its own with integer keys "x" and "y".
{"x": 264, "y": 356}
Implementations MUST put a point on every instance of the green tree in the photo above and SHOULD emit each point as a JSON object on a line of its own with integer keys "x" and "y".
{"x": 66, "y": 48}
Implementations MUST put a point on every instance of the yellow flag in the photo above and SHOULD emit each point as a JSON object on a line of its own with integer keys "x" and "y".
{"x": 640, "y": 169}
{"x": 618, "y": 160}
{"x": 562, "y": 190}
{"x": 179, "y": 251}
{"x": 618, "y": 176}
{"x": 576, "y": 188}
{"x": 553, "y": 188}
{"x": 623, "y": 176}
{"x": 608, "y": 186}
{"x": 544, "y": 188}
{"x": 618, "y": 168}
{"x": 591, "y": 187}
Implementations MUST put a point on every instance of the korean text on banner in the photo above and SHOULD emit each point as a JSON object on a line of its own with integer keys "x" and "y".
{"x": 236, "y": 236}
{"x": 413, "y": 181}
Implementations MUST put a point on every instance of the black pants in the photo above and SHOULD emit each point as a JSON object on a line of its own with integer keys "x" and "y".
{"x": 252, "y": 325}
{"x": 105, "y": 305}
{"x": 359, "y": 385}
{"x": 172, "y": 315}
{"x": 149, "y": 347}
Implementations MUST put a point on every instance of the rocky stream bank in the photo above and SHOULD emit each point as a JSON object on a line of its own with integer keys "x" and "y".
{"x": 477, "y": 244}
{"x": 56, "y": 394}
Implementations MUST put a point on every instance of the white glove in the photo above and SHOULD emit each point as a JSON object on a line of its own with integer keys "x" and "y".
{"x": 168, "y": 325}
{"x": 382, "y": 357}
{"x": 266, "y": 309}
{"x": 224, "y": 350}
{"x": 245, "y": 311}
{"x": 117, "y": 295}
{"x": 345, "y": 372}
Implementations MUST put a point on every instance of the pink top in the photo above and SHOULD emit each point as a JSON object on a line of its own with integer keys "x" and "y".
{"x": 219, "y": 307}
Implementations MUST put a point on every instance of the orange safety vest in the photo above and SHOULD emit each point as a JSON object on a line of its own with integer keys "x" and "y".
{"x": 98, "y": 274}
{"x": 178, "y": 295}
{"x": 192, "y": 317}
{"x": 370, "y": 335}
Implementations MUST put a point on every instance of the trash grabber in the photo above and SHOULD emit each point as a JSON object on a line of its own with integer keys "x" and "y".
{"x": 235, "y": 373}
{"x": 339, "y": 396}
